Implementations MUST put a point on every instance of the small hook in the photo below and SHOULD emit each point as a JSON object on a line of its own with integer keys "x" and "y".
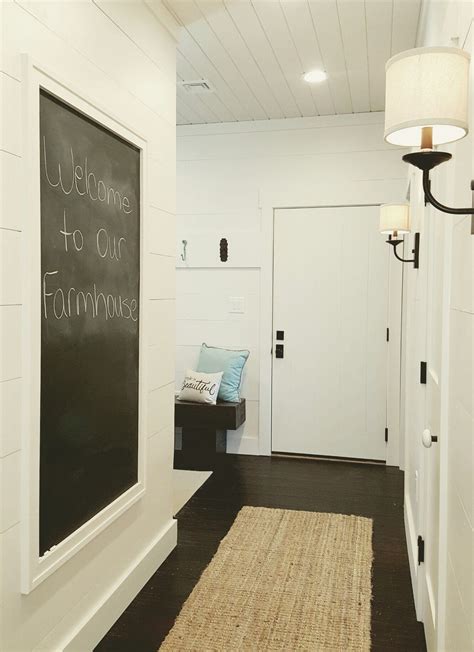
{"x": 183, "y": 255}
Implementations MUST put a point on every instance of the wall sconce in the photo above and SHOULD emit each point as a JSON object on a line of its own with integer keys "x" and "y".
{"x": 394, "y": 222}
{"x": 426, "y": 104}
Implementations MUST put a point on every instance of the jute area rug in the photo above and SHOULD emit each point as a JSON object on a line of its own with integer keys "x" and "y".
{"x": 282, "y": 580}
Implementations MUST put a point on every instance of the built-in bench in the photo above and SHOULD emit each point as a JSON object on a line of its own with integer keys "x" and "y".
{"x": 204, "y": 431}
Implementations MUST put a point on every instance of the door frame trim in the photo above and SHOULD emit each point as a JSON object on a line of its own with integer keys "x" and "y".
{"x": 268, "y": 206}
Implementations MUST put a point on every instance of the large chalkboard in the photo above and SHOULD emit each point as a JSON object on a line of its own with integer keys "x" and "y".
{"x": 90, "y": 274}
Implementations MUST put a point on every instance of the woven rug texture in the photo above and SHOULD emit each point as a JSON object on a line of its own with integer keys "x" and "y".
{"x": 282, "y": 580}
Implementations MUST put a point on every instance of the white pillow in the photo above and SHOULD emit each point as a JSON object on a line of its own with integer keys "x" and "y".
{"x": 199, "y": 387}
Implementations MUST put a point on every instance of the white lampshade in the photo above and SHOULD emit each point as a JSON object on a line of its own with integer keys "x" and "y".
{"x": 395, "y": 218}
{"x": 426, "y": 87}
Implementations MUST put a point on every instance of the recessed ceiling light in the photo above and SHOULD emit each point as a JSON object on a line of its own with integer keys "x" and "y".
{"x": 314, "y": 76}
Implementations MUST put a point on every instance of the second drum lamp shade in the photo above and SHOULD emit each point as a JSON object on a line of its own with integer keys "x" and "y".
{"x": 426, "y": 87}
{"x": 394, "y": 218}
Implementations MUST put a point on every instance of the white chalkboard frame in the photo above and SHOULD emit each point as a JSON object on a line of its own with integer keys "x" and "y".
{"x": 36, "y": 569}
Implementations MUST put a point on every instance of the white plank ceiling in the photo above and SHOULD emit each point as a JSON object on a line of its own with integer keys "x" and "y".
{"x": 253, "y": 54}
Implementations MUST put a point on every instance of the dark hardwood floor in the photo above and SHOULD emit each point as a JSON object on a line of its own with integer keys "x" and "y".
{"x": 325, "y": 486}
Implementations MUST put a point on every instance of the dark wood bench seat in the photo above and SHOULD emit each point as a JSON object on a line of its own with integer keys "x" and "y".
{"x": 204, "y": 431}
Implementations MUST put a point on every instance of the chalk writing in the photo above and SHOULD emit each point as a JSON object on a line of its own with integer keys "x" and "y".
{"x": 84, "y": 182}
{"x": 108, "y": 245}
{"x": 71, "y": 302}
{"x": 77, "y": 237}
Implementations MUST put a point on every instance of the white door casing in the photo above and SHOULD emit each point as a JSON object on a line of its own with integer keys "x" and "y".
{"x": 415, "y": 352}
{"x": 437, "y": 230}
{"x": 427, "y": 342}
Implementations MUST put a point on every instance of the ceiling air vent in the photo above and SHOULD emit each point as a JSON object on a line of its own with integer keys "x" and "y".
{"x": 197, "y": 86}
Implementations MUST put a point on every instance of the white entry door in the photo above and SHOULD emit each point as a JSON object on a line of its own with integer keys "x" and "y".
{"x": 330, "y": 306}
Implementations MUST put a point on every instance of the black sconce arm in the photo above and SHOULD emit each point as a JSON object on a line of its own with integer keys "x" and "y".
{"x": 416, "y": 251}
{"x": 426, "y": 160}
{"x": 441, "y": 207}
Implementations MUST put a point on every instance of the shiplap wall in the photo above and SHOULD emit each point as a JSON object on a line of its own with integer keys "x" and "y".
{"x": 225, "y": 173}
{"x": 458, "y": 601}
{"x": 119, "y": 56}
{"x": 440, "y": 329}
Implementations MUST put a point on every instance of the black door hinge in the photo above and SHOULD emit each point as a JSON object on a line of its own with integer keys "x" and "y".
{"x": 423, "y": 373}
{"x": 388, "y": 334}
{"x": 386, "y": 434}
{"x": 421, "y": 549}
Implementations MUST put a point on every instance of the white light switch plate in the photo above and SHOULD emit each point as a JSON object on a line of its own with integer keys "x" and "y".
{"x": 237, "y": 305}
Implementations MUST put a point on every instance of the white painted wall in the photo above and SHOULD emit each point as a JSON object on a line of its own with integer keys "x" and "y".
{"x": 229, "y": 176}
{"x": 439, "y": 328}
{"x": 121, "y": 58}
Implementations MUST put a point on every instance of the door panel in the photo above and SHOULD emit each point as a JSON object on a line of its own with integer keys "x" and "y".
{"x": 331, "y": 301}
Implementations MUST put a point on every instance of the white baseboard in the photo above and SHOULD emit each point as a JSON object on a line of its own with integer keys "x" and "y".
{"x": 103, "y": 614}
{"x": 242, "y": 445}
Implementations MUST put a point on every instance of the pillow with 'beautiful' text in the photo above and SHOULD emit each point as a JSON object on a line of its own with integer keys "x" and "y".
{"x": 199, "y": 387}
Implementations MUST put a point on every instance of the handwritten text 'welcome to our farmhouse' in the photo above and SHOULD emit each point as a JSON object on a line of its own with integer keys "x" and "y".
{"x": 70, "y": 302}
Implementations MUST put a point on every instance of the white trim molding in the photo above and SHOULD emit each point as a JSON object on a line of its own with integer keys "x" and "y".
{"x": 35, "y": 568}
{"x": 367, "y": 196}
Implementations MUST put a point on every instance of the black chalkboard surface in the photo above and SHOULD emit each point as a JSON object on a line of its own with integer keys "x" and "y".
{"x": 90, "y": 274}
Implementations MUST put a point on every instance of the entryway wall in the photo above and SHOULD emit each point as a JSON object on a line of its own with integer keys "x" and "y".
{"x": 229, "y": 178}
{"x": 120, "y": 57}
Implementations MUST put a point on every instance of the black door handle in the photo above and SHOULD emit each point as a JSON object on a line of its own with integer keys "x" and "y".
{"x": 279, "y": 351}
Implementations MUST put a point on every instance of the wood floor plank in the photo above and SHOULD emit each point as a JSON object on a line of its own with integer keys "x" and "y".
{"x": 324, "y": 486}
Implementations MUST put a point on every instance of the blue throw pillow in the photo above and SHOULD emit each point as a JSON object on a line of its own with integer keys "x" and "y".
{"x": 231, "y": 363}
